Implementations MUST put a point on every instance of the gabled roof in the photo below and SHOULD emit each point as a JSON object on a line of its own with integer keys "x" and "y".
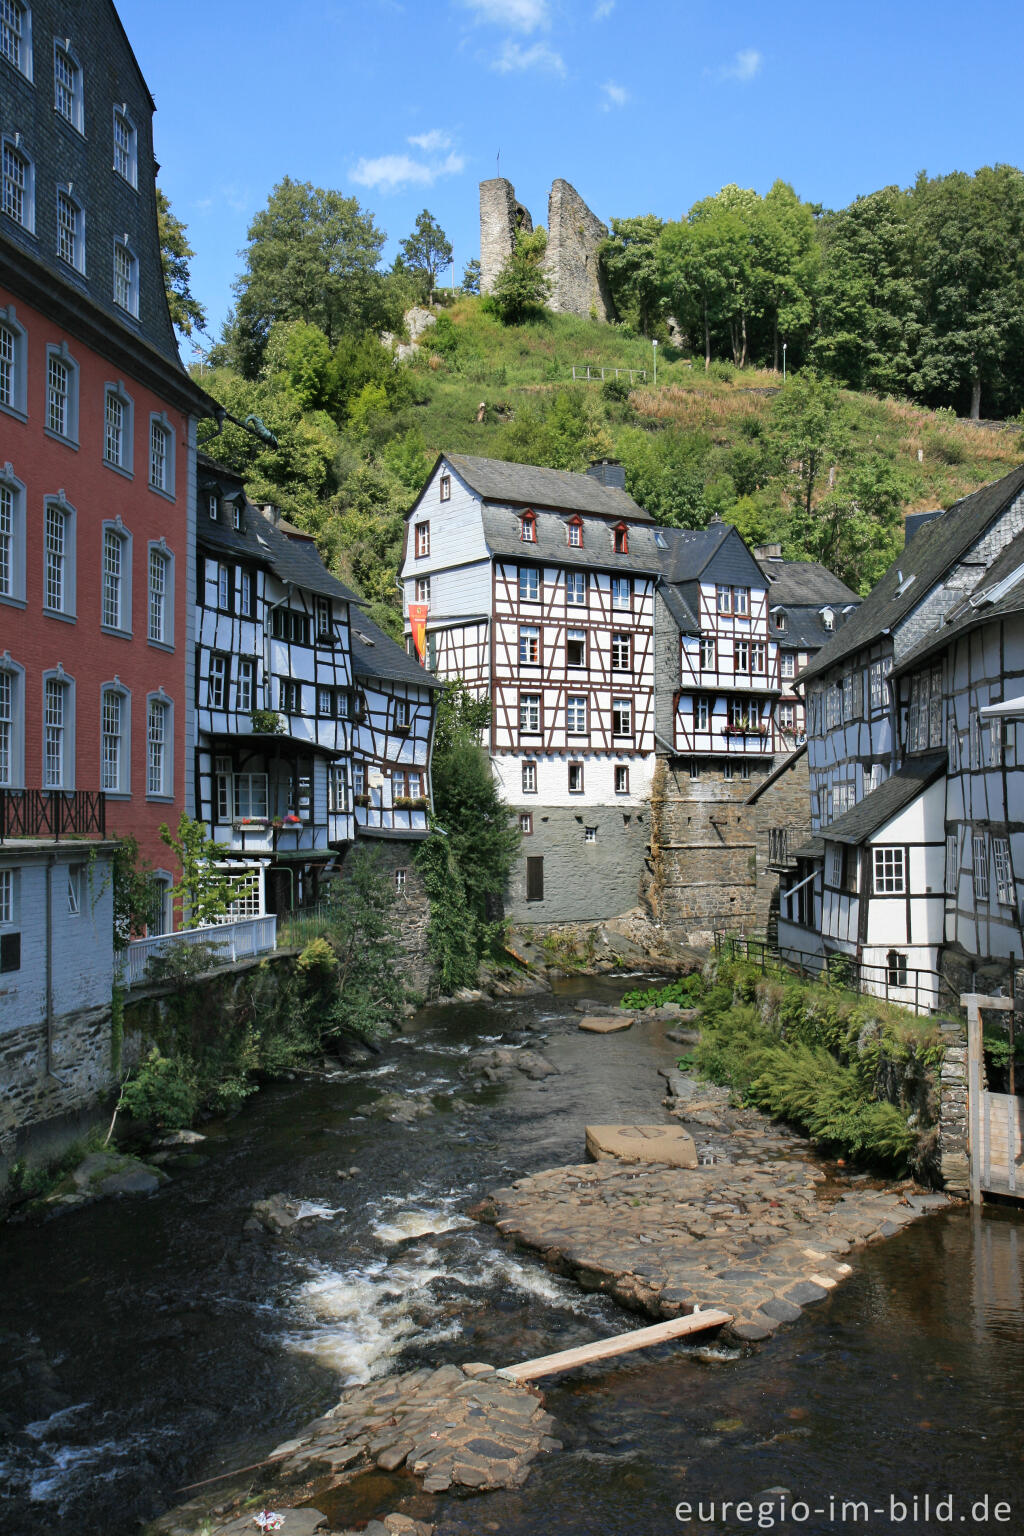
{"x": 528, "y": 485}
{"x": 502, "y": 527}
{"x": 297, "y": 561}
{"x": 804, "y": 583}
{"x": 690, "y": 550}
{"x": 882, "y": 804}
{"x": 375, "y": 654}
{"x": 936, "y": 548}
{"x": 999, "y": 593}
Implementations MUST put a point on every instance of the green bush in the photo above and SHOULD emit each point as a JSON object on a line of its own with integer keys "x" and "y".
{"x": 685, "y": 991}
{"x": 162, "y": 1093}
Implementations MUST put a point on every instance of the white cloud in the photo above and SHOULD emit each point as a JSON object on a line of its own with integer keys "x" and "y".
{"x": 537, "y": 56}
{"x": 615, "y": 96}
{"x": 603, "y": 8}
{"x": 387, "y": 173}
{"x": 744, "y": 66}
{"x": 431, "y": 142}
{"x": 520, "y": 15}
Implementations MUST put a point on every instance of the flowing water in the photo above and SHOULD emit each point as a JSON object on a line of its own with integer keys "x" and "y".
{"x": 148, "y": 1344}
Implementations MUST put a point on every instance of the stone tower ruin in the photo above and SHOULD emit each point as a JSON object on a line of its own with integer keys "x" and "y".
{"x": 577, "y": 284}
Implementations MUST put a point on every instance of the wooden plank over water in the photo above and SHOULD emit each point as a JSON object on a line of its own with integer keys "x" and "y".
{"x": 619, "y": 1344}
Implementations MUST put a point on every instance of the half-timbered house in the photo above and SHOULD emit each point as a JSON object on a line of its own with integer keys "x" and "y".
{"x": 893, "y": 701}
{"x": 274, "y": 696}
{"x": 806, "y": 604}
{"x": 392, "y": 735}
{"x": 539, "y": 587}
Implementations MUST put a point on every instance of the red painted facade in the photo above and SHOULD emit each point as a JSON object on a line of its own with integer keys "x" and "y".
{"x": 91, "y": 657}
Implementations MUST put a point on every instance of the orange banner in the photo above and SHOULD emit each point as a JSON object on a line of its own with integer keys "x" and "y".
{"x": 418, "y": 620}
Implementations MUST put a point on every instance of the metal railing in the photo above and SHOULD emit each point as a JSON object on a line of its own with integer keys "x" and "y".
{"x": 907, "y": 986}
{"x": 52, "y": 812}
{"x": 230, "y": 941}
{"x": 297, "y": 929}
{"x": 782, "y": 845}
{"x": 589, "y": 373}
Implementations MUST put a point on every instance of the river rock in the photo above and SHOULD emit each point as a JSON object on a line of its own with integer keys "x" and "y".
{"x": 606, "y": 1023}
{"x": 278, "y": 1215}
{"x": 181, "y": 1139}
{"x": 115, "y": 1173}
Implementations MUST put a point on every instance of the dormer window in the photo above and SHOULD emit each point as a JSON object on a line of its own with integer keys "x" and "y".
{"x": 780, "y": 621}
{"x": 213, "y": 505}
{"x": 236, "y": 516}
{"x": 575, "y": 533}
{"x": 528, "y": 528}
{"x": 828, "y": 618}
{"x": 620, "y": 539}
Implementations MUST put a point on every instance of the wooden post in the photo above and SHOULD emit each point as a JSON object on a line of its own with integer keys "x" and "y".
{"x": 619, "y": 1344}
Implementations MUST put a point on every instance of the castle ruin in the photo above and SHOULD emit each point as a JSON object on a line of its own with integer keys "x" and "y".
{"x": 577, "y": 283}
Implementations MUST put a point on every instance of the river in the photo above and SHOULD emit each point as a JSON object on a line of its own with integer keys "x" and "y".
{"x": 148, "y": 1344}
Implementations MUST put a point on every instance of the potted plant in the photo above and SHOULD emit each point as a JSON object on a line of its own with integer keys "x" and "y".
{"x": 266, "y": 722}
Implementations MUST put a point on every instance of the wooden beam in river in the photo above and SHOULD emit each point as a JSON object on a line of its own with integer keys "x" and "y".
{"x": 619, "y": 1344}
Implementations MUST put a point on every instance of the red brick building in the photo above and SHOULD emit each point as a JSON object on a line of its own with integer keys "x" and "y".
{"x": 97, "y": 440}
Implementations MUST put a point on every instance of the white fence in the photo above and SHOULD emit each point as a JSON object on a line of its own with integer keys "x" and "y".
{"x": 232, "y": 941}
{"x": 592, "y": 373}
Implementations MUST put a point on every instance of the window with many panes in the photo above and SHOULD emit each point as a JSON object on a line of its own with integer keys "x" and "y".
{"x": 8, "y": 694}
{"x": 17, "y": 186}
{"x": 158, "y": 776}
{"x": 422, "y": 540}
{"x": 54, "y": 733}
{"x": 245, "y": 685}
{"x": 576, "y": 714}
{"x": 529, "y": 713}
{"x": 529, "y": 645}
{"x": 787, "y": 717}
{"x": 574, "y": 533}
{"x": 980, "y": 849}
{"x": 113, "y": 765}
{"x": 529, "y": 778}
{"x": 67, "y": 87}
{"x": 1004, "y": 871}
{"x": 337, "y": 789}
{"x": 622, "y": 717}
{"x": 159, "y": 457}
{"x": 575, "y": 778}
{"x": 57, "y": 595}
{"x": 708, "y": 652}
{"x": 576, "y": 589}
{"x": 125, "y": 161}
{"x": 890, "y": 873}
{"x": 787, "y": 664}
{"x": 526, "y": 823}
{"x": 621, "y": 779}
{"x": 576, "y": 648}
{"x": 158, "y": 626}
{"x": 622, "y": 592}
{"x": 115, "y": 579}
{"x": 9, "y": 382}
{"x": 528, "y": 528}
{"x": 621, "y": 652}
{"x": 7, "y": 549}
{"x": 445, "y": 487}
{"x": 952, "y": 864}
{"x": 14, "y": 35}
{"x": 896, "y": 968}
{"x": 218, "y": 681}
{"x": 529, "y": 584}
{"x": 6, "y": 896}
{"x": 250, "y": 795}
{"x": 741, "y": 655}
{"x": 245, "y": 600}
{"x": 70, "y": 231}
{"x": 117, "y": 430}
{"x": 422, "y": 589}
{"x": 58, "y": 392}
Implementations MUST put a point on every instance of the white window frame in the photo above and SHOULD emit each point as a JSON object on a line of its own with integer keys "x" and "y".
{"x": 708, "y": 653}
{"x": 116, "y": 584}
{"x": 621, "y": 778}
{"x": 245, "y": 685}
{"x": 576, "y": 589}
{"x": 979, "y": 849}
{"x": 160, "y": 429}
{"x": 529, "y": 584}
{"x": 160, "y": 604}
{"x": 787, "y": 717}
{"x": 58, "y": 734}
{"x": 12, "y": 537}
{"x": 217, "y": 681}
{"x": 622, "y": 594}
{"x": 250, "y": 792}
{"x": 22, "y": 48}
{"x": 60, "y": 354}
{"x": 1005, "y": 891}
{"x": 71, "y": 252}
{"x": 422, "y": 590}
{"x": 889, "y": 871}
{"x": 529, "y": 714}
{"x": 421, "y": 535}
{"x": 590, "y": 834}
{"x": 68, "y": 94}
{"x": 445, "y": 488}
{"x": 337, "y": 789}
{"x": 130, "y": 171}
{"x": 529, "y": 778}
{"x": 622, "y": 646}
{"x": 8, "y": 897}
{"x": 59, "y": 563}
{"x": 576, "y": 714}
{"x": 952, "y": 864}
{"x": 787, "y": 664}
{"x": 574, "y": 778}
{"x": 622, "y": 717}
{"x": 75, "y": 889}
{"x": 124, "y": 442}
{"x": 529, "y": 645}
{"x": 159, "y": 747}
{"x": 577, "y": 637}
{"x": 13, "y": 364}
{"x": 18, "y": 189}
{"x": 116, "y": 712}
{"x": 12, "y": 723}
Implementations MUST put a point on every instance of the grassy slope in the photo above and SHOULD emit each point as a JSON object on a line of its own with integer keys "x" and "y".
{"x": 514, "y": 364}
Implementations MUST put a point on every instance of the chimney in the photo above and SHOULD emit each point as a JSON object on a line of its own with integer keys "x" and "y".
{"x": 915, "y": 522}
{"x": 608, "y": 472}
{"x": 767, "y": 552}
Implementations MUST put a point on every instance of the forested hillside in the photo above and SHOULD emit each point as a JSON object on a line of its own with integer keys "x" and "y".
{"x": 894, "y": 312}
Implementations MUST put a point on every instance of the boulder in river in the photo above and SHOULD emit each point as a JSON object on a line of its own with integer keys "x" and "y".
{"x": 115, "y": 1173}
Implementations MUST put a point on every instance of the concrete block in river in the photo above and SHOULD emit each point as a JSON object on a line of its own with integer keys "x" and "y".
{"x": 669, "y": 1144}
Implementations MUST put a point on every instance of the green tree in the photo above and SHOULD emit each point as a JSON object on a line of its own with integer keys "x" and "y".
{"x": 857, "y": 528}
{"x": 205, "y": 891}
{"x": 786, "y": 260}
{"x": 694, "y": 276}
{"x": 312, "y": 255}
{"x": 427, "y": 250}
{"x": 187, "y": 314}
{"x": 868, "y": 323}
{"x": 567, "y": 432}
{"x": 135, "y": 891}
{"x": 363, "y": 932}
{"x": 810, "y": 429}
{"x": 521, "y": 286}
{"x": 630, "y": 259}
{"x": 471, "y": 277}
{"x": 461, "y": 717}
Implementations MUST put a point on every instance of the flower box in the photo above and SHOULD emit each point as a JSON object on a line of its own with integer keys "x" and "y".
{"x": 251, "y": 823}
{"x": 410, "y": 803}
{"x": 361, "y": 799}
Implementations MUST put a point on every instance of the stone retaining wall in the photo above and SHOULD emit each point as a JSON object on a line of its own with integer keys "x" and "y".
{"x": 954, "y": 1164}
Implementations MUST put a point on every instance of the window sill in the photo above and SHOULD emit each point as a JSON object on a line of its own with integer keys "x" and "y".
{"x": 59, "y": 437}
{"x": 65, "y": 618}
{"x": 160, "y": 799}
{"x": 117, "y": 794}
{"x": 159, "y": 491}
{"x": 118, "y": 634}
{"x": 13, "y": 602}
{"x": 161, "y": 645}
{"x": 119, "y": 469}
{"x": 15, "y": 411}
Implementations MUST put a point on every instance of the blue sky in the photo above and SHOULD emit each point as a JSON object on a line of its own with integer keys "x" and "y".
{"x": 644, "y": 105}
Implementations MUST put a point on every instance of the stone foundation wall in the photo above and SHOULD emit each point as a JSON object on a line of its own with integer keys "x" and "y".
{"x": 412, "y": 910}
{"x": 785, "y": 804}
{"x": 954, "y": 1165}
{"x": 583, "y": 882}
{"x": 41, "y": 1114}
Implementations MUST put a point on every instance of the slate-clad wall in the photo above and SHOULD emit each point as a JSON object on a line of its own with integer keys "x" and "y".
{"x": 583, "y": 882}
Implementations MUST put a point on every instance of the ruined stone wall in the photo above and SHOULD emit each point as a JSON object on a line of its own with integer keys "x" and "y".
{"x": 578, "y": 285}
{"x": 500, "y": 216}
{"x": 412, "y": 909}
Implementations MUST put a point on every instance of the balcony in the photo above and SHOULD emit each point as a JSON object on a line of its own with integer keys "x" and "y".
{"x": 229, "y": 943}
{"x": 782, "y": 845}
{"x": 52, "y": 813}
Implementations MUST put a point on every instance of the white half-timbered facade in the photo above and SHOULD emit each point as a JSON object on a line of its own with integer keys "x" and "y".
{"x": 392, "y": 736}
{"x": 274, "y": 696}
{"x": 913, "y": 867}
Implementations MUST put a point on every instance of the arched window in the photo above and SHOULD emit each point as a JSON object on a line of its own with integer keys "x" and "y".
{"x": 67, "y": 86}
{"x": 58, "y": 730}
{"x": 13, "y": 364}
{"x": 12, "y": 535}
{"x": 574, "y": 532}
{"x": 620, "y": 539}
{"x": 70, "y": 230}
{"x": 125, "y": 155}
{"x": 159, "y": 742}
{"x": 528, "y": 528}
{"x": 116, "y": 610}
{"x": 18, "y": 185}
{"x": 126, "y": 277}
{"x": 12, "y": 722}
{"x": 118, "y": 424}
{"x": 115, "y": 738}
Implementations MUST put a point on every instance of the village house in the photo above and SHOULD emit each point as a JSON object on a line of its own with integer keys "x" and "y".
{"x": 910, "y": 871}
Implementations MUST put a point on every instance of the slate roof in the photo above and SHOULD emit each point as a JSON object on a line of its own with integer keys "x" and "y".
{"x": 975, "y": 610}
{"x": 881, "y": 804}
{"x": 297, "y": 561}
{"x": 502, "y": 526}
{"x": 679, "y": 609}
{"x": 805, "y": 583}
{"x": 934, "y": 550}
{"x": 375, "y": 654}
{"x": 528, "y": 485}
